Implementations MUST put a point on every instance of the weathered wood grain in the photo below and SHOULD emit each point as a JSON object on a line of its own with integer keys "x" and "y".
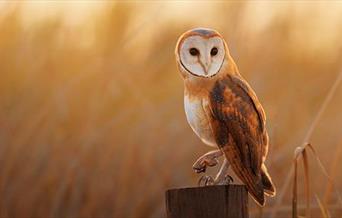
{"x": 219, "y": 201}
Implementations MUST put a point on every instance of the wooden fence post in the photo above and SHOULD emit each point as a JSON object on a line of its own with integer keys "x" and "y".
{"x": 219, "y": 201}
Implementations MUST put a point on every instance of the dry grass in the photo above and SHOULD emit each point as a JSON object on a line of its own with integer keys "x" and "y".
{"x": 301, "y": 152}
{"x": 91, "y": 115}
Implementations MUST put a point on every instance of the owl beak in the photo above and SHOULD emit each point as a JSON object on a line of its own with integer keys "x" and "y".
{"x": 205, "y": 65}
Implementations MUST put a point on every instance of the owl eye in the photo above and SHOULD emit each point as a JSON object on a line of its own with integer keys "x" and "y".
{"x": 194, "y": 51}
{"x": 214, "y": 51}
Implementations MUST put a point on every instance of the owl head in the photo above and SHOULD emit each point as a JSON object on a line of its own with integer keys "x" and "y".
{"x": 201, "y": 52}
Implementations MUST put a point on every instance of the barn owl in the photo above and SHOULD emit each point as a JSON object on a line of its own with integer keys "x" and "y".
{"x": 223, "y": 111}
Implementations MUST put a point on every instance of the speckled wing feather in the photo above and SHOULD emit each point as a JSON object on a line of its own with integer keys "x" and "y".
{"x": 238, "y": 124}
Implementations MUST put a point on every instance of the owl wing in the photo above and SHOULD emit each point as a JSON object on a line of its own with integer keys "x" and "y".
{"x": 238, "y": 124}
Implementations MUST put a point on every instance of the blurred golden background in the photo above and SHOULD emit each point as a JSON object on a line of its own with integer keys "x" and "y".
{"x": 91, "y": 103}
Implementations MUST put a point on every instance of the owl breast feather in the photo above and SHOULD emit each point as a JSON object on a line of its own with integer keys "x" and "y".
{"x": 198, "y": 120}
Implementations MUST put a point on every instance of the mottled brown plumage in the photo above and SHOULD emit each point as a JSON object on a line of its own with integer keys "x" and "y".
{"x": 224, "y": 111}
{"x": 238, "y": 128}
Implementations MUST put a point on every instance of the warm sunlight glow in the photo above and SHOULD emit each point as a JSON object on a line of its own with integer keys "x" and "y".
{"x": 92, "y": 120}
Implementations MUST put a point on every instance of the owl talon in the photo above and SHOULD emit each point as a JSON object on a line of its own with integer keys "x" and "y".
{"x": 201, "y": 164}
{"x": 200, "y": 170}
{"x": 227, "y": 180}
{"x": 205, "y": 181}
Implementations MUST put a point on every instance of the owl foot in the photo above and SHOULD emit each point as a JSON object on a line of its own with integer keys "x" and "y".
{"x": 207, "y": 160}
{"x": 222, "y": 177}
{"x": 201, "y": 165}
{"x": 205, "y": 181}
{"x": 227, "y": 180}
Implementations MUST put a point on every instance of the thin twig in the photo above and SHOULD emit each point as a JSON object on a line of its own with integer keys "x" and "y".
{"x": 294, "y": 194}
{"x": 307, "y": 183}
{"x": 324, "y": 210}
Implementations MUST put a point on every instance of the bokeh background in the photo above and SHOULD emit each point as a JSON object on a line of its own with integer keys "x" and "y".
{"x": 91, "y": 103}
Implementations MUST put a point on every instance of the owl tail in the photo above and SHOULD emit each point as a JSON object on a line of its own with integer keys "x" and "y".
{"x": 269, "y": 187}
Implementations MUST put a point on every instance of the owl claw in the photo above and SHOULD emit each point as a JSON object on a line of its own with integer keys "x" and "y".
{"x": 207, "y": 160}
{"x": 205, "y": 181}
{"x": 201, "y": 164}
{"x": 227, "y": 180}
{"x": 200, "y": 169}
